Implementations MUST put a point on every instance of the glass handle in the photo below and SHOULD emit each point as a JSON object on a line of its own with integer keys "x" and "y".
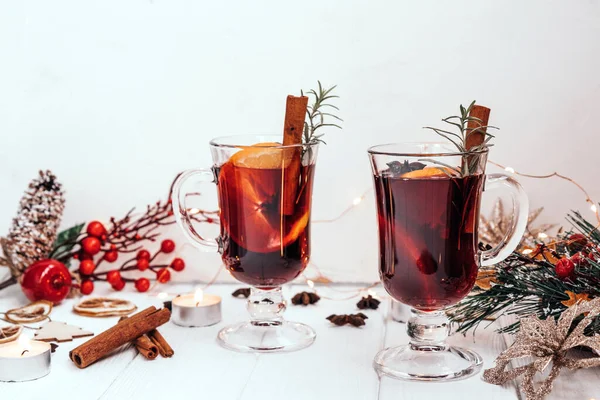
{"x": 186, "y": 179}
{"x": 520, "y": 205}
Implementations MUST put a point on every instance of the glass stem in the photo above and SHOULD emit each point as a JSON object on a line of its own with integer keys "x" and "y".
{"x": 428, "y": 330}
{"x": 266, "y": 306}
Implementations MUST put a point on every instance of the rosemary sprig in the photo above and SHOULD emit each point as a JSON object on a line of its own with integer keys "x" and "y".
{"x": 317, "y": 113}
{"x": 461, "y": 123}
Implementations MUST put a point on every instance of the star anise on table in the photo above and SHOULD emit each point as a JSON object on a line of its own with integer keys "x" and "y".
{"x": 305, "y": 298}
{"x": 244, "y": 292}
{"x": 352, "y": 319}
{"x": 368, "y": 302}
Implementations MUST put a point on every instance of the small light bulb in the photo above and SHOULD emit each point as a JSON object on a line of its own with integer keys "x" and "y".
{"x": 510, "y": 170}
{"x": 527, "y": 251}
{"x": 594, "y": 208}
{"x": 193, "y": 211}
{"x": 542, "y": 235}
{"x": 357, "y": 201}
{"x": 372, "y": 293}
{"x": 310, "y": 283}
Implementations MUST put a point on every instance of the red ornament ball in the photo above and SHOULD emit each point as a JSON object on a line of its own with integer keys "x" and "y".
{"x": 111, "y": 256}
{"x": 87, "y": 267}
{"x": 90, "y": 245}
{"x": 143, "y": 264}
{"x": 579, "y": 259}
{"x": 118, "y": 285}
{"x": 46, "y": 280}
{"x": 96, "y": 229}
{"x": 564, "y": 268}
{"x": 167, "y": 246}
{"x": 87, "y": 287}
{"x": 143, "y": 255}
{"x": 142, "y": 285}
{"x": 163, "y": 275}
{"x": 113, "y": 277}
{"x": 177, "y": 264}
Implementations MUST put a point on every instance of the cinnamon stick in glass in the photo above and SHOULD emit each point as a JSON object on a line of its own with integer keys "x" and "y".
{"x": 120, "y": 334}
{"x": 295, "y": 114}
{"x": 476, "y": 137}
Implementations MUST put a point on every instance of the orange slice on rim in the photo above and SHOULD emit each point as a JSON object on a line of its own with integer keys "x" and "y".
{"x": 429, "y": 172}
{"x": 263, "y": 156}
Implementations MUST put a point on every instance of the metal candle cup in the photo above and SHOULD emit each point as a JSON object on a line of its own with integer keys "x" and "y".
{"x": 24, "y": 360}
{"x": 196, "y": 310}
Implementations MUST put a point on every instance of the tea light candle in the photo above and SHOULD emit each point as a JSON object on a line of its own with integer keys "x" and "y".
{"x": 196, "y": 309}
{"x": 24, "y": 360}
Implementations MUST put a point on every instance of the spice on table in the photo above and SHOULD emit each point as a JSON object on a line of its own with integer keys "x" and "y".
{"x": 368, "y": 302}
{"x": 305, "y": 298}
{"x": 351, "y": 319}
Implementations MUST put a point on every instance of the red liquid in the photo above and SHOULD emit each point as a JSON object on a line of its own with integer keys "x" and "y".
{"x": 262, "y": 247}
{"x": 428, "y": 238}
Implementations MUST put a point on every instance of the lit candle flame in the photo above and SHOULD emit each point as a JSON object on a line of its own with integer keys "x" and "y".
{"x": 198, "y": 297}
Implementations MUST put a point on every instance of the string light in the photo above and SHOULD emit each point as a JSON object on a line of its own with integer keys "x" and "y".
{"x": 509, "y": 170}
{"x": 357, "y": 201}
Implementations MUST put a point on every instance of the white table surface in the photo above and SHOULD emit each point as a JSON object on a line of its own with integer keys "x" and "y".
{"x": 336, "y": 366}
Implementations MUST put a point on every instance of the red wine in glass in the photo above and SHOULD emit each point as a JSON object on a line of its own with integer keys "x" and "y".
{"x": 262, "y": 246}
{"x": 428, "y": 237}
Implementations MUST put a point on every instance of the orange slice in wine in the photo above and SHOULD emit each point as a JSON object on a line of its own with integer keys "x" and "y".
{"x": 429, "y": 172}
{"x": 262, "y": 155}
{"x": 250, "y": 187}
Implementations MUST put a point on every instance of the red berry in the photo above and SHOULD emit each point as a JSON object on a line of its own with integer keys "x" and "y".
{"x": 118, "y": 285}
{"x": 90, "y": 245}
{"x": 578, "y": 259}
{"x": 177, "y": 264}
{"x": 564, "y": 268}
{"x": 86, "y": 267}
{"x": 167, "y": 246}
{"x": 163, "y": 275}
{"x": 143, "y": 254}
{"x": 96, "y": 229}
{"x": 577, "y": 242}
{"x": 75, "y": 256}
{"x": 142, "y": 285}
{"x": 111, "y": 256}
{"x": 143, "y": 264}
{"x": 113, "y": 276}
{"x": 113, "y": 246}
{"x": 87, "y": 287}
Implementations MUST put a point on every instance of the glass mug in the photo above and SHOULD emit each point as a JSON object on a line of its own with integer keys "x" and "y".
{"x": 428, "y": 202}
{"x": 264, "y": 202}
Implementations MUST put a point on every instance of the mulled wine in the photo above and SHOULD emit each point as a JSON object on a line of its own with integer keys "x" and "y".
{"x": 264, "y": 246}
{"x": 428, "y": 224}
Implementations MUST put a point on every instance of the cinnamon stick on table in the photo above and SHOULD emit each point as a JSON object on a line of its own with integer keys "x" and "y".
{"x": 295, "y": 113}
{"x": 144, "y": 345}
{"x": 124, "y": 332}
{"x": 164, "y": 348}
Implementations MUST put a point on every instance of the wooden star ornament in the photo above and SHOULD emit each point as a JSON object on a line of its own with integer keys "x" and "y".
{"x": 54, "y": 331}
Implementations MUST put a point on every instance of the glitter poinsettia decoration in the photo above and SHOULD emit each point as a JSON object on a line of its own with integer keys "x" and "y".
{"x": 493, "y": 229}
{"x": 548, "y": 343}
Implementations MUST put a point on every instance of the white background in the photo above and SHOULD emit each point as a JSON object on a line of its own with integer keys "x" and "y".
{"x": 116, "y": 97}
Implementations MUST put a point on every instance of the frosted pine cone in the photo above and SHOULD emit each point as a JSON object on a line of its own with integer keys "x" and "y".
{"x": 35, "y": 227}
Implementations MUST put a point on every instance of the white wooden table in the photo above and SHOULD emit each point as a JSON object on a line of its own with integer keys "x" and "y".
{"x": 336, "y": 366}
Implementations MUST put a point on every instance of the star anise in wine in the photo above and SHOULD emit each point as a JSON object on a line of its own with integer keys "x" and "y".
{"x": 244, "y": 292}
{"x": 305, "y": 298}
{"x": 399, "y": 168}
{"x": 368, "y": 302}
{"x": 351, "y": 319}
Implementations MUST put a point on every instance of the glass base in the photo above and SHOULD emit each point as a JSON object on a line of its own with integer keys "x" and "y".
{"x": 428, "y": 363}
{"x": 266, "y": 336}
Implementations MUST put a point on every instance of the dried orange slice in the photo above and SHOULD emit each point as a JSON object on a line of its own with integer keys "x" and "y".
{"x": 429, "y": 172}
{"x": 262, "y": 156}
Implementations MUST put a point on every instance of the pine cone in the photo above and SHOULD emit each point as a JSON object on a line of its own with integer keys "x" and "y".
{"x": 35, "y": 227}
